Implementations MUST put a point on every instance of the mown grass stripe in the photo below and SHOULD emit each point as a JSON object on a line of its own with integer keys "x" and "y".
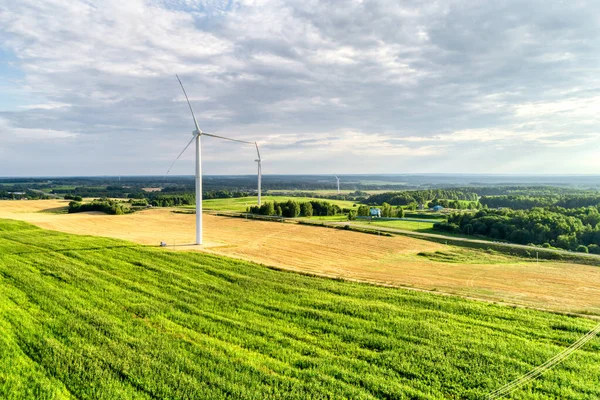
{"x": 109, "y": 320}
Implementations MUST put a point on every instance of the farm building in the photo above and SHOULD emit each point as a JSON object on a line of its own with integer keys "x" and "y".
{"x": 438, "y": 208}
{"x": 375, "y": 213}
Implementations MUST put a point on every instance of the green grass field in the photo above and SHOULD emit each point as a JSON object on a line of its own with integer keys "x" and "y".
{"x": 326, "y": 218}
{"x": 417, "y": 226}
{"x": 239, "y": 204}
{"x": 93, "y": 318}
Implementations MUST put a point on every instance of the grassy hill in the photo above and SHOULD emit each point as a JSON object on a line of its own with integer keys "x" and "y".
{"x": 93, "y": 318}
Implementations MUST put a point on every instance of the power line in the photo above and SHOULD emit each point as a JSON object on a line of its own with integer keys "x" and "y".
{"x": 534, "y": 373}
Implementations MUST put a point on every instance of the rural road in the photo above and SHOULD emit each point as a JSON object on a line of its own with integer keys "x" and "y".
{"x": 54, "y": 196}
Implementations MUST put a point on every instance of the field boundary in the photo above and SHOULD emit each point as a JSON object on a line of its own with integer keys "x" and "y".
{"x": 511, "y": 249}
{"x": 421, "y": 290}
{"x": 505, "y": 248}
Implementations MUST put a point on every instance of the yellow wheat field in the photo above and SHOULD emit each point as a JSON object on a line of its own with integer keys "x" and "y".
{"x": 336, "y": 253}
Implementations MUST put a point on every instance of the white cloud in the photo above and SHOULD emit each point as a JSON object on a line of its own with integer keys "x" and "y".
{"x": 45, "y": 106}
{"x": 573, "y": 108}
{"x": 346, "y": 142}
{"x": 374, "y": 81}
{"x": 507, "y": 137}
{"x": 9, "y": 134}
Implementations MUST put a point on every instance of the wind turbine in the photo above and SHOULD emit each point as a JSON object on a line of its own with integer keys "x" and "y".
{"x": 338, "y": 183}
{"x": 197, "y": 135}
{"x": 259, "y": 161}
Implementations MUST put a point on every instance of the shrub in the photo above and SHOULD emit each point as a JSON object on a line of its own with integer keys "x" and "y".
{"x": 594, "y": 248}
{"x": 103, "y": 205}
{"x": 351, "y": 215}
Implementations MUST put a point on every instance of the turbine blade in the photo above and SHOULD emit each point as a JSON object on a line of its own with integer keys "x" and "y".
{"x": 189, "y": 104}
{"x": 225, "y": 138}
{"x": 180, "y": 154}
{"x": 258, "y": 152}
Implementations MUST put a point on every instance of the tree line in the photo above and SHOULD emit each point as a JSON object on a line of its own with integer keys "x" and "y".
{"x": 455, "y": 204}
{"x": 162, "y": 196}
{"x": 293, "y": 209}
{"x": 387, "y": 211}
{"x": 158, "y": 199}
{"x": 522, "y": 190}
{"x": 27, "y": 194}
{"x": 107, "y": 206}
{"x": 108, "y": 191}
{"x": 207, "y": 195}
{"x": 356, "y": 195}
{"x": 420, "y": 196}
{"x": 575, "y": 229}
{"x": 166, "y": 199}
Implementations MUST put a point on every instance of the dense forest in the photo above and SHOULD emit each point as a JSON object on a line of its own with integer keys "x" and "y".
{"x": 419, "y": 196}
{"x": 517, "y": 202}
{"x": 525, "y": 202}
{"x": 121, "y": 192}
{"x": 575, "y": 229}
{"x": 524, "y": 190}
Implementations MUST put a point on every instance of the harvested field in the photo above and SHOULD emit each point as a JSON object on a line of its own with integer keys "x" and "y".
{"x": 337, "y": 253}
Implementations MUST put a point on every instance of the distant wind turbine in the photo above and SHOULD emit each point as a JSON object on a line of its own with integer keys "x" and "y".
{"x": 197, "y": 134}
{"x": 338, "y": 183}
{"x": 259, "y": 161}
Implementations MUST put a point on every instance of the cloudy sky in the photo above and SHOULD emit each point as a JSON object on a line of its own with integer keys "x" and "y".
{"x": 88, "y": 87}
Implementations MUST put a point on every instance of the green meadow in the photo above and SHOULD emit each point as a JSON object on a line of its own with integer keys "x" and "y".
{"x": 83, "y": 317}
{"x": 418, "y": 226}
{"x": 241, "y": 203}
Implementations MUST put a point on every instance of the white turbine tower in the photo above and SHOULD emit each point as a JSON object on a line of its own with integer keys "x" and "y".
{"x": 197, "y": 135}
{"x": 338, "y": 183}
{"x": 259, "y": 161}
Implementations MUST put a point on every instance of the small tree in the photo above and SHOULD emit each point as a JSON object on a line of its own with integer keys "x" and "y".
{"x": 594, "y": 248}
{"x": 386, "y": 210}
{"x": 351, "y": 215}
{"x": 294, "y": 209}
{"x": 582, "y": 249}
{"x": 306, "y": 210}
{"x": 400, "y": 212}
{"x": 267, "y": 208}
{"x": 363, "y": 211}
